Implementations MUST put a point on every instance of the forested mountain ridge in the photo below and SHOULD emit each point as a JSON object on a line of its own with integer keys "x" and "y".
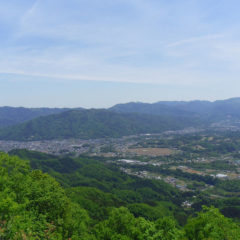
{"x": 204, "y": 110}
{"x": 34, "y": 206}
{"x": 14, "y": 115}
{"x": 93, "y": 123}
{"x": 119, "y": 120}
{"x": 219, "y": 109}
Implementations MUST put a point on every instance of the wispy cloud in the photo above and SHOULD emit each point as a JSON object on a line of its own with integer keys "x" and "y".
{"x": 123, "y": 41}
{"x": 195, "y": 40}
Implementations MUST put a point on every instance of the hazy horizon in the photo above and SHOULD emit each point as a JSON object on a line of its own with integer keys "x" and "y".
{"x": 106, "y": 107}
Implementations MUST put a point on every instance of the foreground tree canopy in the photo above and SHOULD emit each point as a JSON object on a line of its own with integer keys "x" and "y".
{"x": 33, "y": 205}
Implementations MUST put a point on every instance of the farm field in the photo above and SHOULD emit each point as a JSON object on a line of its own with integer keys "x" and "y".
{"x": 152, "y": 151}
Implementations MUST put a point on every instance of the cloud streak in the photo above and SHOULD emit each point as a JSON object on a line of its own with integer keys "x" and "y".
{"x": 195, "y": 40}
{"x": 142, "y": 41}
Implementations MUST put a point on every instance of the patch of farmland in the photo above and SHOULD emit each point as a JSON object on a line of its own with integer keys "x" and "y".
{"x": 152, "y": 151}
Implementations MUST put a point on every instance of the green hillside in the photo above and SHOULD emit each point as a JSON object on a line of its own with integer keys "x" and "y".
{"x": 34, "y": 205}
{"x": 14, "y": 115}
{"x": 92, "y": 123}
{"x": 204, "y": 110}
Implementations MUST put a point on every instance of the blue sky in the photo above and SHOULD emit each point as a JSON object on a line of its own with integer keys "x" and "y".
{"x": 93, "y": 53}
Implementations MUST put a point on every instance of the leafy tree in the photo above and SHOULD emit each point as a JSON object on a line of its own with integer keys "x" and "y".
{"x": 211, "y": 224}
{"x": 34, "y": 206}
{"x": 121, "y": 224}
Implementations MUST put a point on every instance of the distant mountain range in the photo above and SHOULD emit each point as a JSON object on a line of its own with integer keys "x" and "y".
{"x": 94, "y": 123}
{"x": 14, "y": 115}
{"x": 117, "y": 121}
{"x": 205, "y": 110}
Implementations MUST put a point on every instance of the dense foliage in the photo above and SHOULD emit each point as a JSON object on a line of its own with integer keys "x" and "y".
{"x": 104, "y": 186}
{"x": 33, "y": 205}
{"x": 92, "y": 123}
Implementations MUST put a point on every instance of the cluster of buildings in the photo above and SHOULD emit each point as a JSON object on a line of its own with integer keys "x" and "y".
{"x": 56, "y": 147}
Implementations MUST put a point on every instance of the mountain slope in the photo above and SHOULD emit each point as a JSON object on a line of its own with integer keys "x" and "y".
{"x": 92, "y": 124}
{"x": 204, "y": 110}
{"x": 14, "y": 115}
{"x": 147, "y": 108}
